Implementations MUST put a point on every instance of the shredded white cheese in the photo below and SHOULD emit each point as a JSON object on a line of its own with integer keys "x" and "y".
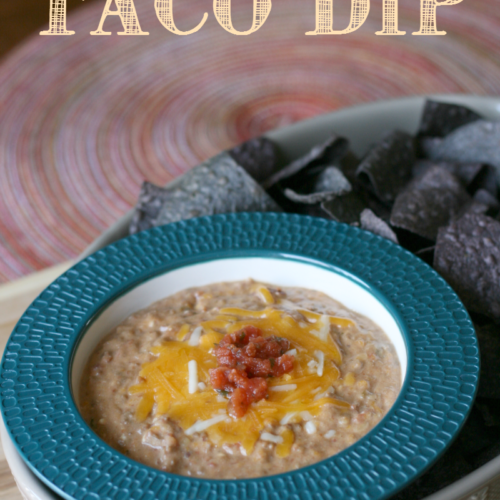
{"x": 292, "y": 352}
{"x": 193, "y": 376}
{"x": 220, "y": 399}
{"x": 202, "y": 386}
{"x": 288, "y": 417}
{"x": 266, "y": 436}
{"x": 312, "y": 366}
{"x": 202, "y": 425}
{"x": 320, "y": 395}
{"x": 321, "y": 362}
{"x": 284, "y": 387}
{"x": 163, "y": 329}
{"x": 306, "y": 415}
{"x": 310, "y": 427}
{"x": 195, "y": 336}
{"x": 324, "y": 330}
{"x": 330, "y": 434}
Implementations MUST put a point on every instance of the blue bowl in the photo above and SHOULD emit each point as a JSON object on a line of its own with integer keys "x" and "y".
{"x": 438, "y": 350}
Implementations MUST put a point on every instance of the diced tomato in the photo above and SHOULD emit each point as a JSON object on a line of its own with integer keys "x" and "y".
{"x": 246, "y": 358}
{"x": 284, "y": 364}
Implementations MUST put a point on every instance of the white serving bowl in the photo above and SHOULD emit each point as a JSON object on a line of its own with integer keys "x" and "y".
{"x": 29, "y": 485}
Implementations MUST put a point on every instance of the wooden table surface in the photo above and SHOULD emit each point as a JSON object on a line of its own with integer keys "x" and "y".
{"x": 15, "y": 297}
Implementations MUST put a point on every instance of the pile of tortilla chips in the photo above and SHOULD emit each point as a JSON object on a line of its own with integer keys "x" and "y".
{"x": 435, "y": 194}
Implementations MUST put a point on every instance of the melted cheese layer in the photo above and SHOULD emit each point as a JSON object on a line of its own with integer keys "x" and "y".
{"x": 165, "y": 386}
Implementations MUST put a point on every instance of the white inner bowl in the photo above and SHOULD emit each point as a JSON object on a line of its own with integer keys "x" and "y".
{"x": 354, "y": 295}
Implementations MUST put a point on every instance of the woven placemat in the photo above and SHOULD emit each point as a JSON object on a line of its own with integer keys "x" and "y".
{"x": 85, "y": 119}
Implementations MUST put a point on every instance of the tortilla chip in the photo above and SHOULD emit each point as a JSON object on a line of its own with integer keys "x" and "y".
{"x": 473, "y": 207}
{"x": 345, "y": 208}
{"x": 328, "y": 183}
{"x": 486, "y": 179}
{"x": 349, "y": 165}
{"x": 387, "y": 167}
{"x": 217, "y": 186}
{"x": 466, "y": 172}
{"x": 315, "y": 211}
{"x": 148, "y": 207}
{"x": 486, "y": 198}
{"x": 370, "y": 222}
{"x": 328, "y": 153}
{"x": 259, "y": 157}
{"x": 468, "y": 257}
{"x": 429, "y": 202}
{"x": 475, "y": 142}
{"x": 482, "y": 203}
{"x": 440, "y": 118}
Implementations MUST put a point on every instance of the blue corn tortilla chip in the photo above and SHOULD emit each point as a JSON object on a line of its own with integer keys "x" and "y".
{"x": 349, "y": 165}
{"x": 473, "y": 207}
{"x": 429, "y": 202}
{"x": 259, "y": 157}
{"x": 348, "y": 207}
{"x": 332, "y": 180}
{"x": 467, "y": 256}
{"x": 486, "y": 198}
{"x": 476, "y": 142}
{"x": 148, "y": 207}
{"x": 466, "y": 172}
{"x": 482, "y": 202}
{"x": 328, "y": 184}
{"x": 345, "y": 208}
{"x": 440, "y": 118}
{"x": 486, "y": 179}
{"x": 328, "y": 153}
{"x": 370, "y": 222}
{"x": 217, "y": 186}
{"x": 387, "y": 167}
{"x": 315, "y": 211}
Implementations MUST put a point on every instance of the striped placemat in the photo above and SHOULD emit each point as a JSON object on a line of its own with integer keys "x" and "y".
{"x": 85, "y": 119}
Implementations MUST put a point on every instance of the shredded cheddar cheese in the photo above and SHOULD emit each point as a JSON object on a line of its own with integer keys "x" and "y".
{"x": 181, "y": 334}
{"x": 177, "y": 382}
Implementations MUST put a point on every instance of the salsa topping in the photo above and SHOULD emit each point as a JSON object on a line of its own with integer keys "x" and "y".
{"x": 245, "y": 360}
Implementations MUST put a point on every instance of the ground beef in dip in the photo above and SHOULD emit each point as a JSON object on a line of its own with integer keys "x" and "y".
{"x": 367, "y": 384}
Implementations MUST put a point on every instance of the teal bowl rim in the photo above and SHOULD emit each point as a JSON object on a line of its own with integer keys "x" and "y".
{"x": 439, "y": 389}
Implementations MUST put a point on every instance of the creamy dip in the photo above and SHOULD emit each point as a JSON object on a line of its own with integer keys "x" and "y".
{"x": 146, "y": 388}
